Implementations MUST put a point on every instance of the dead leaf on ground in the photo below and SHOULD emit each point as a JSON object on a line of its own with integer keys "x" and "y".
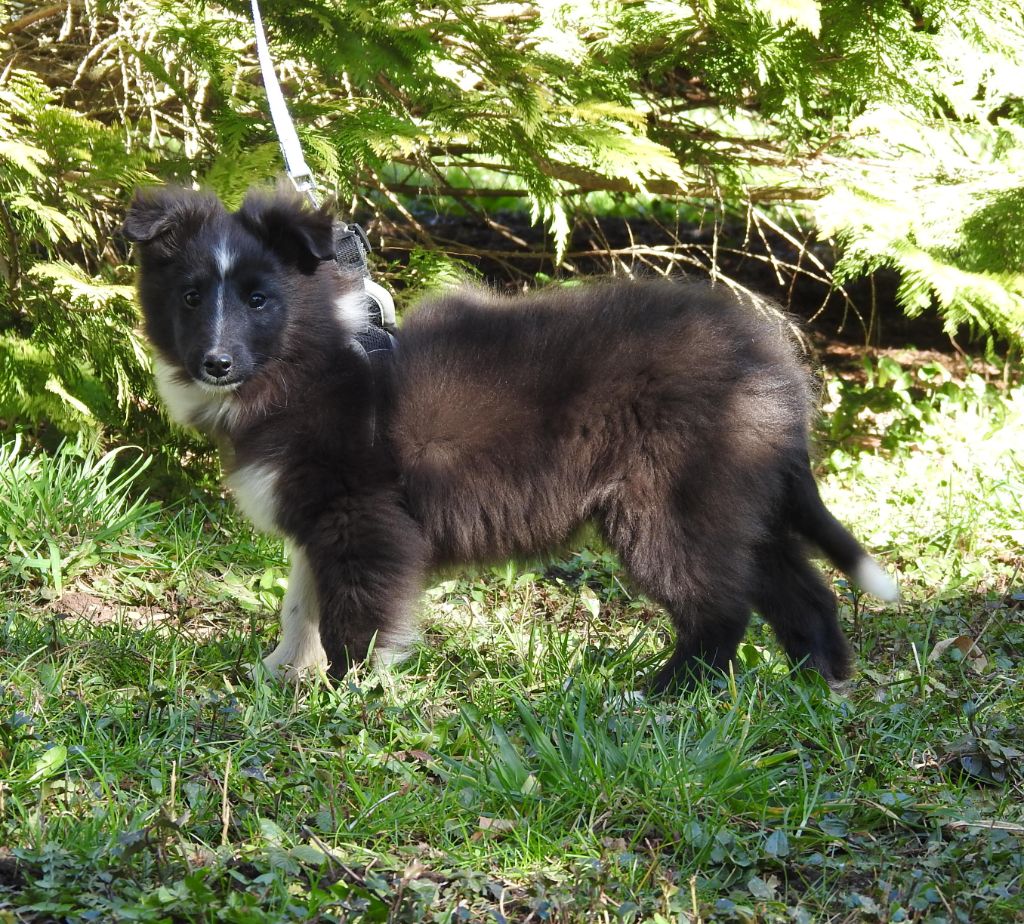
{"x": 98, "y": 611}
{"x": 966, "y": 645}
{"x": 492, "y": 826}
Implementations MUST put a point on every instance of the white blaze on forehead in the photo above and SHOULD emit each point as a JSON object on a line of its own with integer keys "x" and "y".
{"x": 218, "y": 317}
{"x": 225, "y": 260}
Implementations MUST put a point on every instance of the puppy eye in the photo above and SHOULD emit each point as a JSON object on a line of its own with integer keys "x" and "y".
{"x": 257, "y": 300}
{"x": 192, "y": 298}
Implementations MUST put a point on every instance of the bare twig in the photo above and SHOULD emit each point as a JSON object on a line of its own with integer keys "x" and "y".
{"x": 46, "y": 12}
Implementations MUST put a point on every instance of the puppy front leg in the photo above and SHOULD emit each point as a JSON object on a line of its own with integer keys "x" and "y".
{"x": 368, "y": 559}
{"x": 299, "y": 652}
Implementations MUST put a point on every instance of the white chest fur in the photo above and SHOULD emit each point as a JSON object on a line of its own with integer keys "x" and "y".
{"x": 192, "y": 403}
{"x": 255, "y": 489}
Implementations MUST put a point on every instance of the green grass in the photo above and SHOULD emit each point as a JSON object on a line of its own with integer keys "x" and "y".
{"x": 506, "y": 771}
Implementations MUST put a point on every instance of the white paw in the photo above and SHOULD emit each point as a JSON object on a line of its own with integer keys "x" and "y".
{"x": 285, "y": 663}
{"x": 396, "y": 645}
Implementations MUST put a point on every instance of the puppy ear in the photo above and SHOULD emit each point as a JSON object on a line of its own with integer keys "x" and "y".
{"x": 162, "y": 211}
{"x": 299, "y": 234}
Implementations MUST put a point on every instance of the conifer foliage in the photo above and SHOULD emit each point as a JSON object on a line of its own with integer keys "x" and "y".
{"x": 897, "y": 127}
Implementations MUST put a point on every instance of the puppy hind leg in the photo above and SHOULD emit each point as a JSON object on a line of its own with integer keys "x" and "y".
{"x": 792, "y": 596}
{"x": 686, "y": 569}
{"x": 707, "y": 636}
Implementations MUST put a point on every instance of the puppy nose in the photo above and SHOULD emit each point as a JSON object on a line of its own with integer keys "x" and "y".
{"x": 217, "y": 364}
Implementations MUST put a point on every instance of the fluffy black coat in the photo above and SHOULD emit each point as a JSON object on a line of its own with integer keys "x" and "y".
{"x": 670, "y": 414}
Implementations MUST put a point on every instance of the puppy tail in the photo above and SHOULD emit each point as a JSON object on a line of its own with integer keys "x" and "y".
{"x": 812, "y": 519}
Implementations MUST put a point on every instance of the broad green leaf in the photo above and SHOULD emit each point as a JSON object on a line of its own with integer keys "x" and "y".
{"x": 48, "y": 763}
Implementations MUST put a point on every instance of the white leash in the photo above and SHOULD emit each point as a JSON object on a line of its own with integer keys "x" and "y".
{"x": 295, "y": 163}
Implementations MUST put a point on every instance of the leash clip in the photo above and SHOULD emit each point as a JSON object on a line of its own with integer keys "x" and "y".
{"x": 305, "y": 183}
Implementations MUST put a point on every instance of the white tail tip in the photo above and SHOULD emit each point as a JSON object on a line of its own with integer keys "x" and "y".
{"x": 869, "y": 577}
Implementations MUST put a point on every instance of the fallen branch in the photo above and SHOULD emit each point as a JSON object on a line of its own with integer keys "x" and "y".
{"x": 30, "y": 19}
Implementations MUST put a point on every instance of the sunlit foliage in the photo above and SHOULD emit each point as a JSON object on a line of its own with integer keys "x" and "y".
{"x": 897, "y": 128}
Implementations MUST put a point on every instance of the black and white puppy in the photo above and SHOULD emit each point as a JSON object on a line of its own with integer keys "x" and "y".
{"x": 670, "y": 414}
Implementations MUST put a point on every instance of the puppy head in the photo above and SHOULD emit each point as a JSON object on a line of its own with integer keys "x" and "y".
{"x": 219, "y": 290}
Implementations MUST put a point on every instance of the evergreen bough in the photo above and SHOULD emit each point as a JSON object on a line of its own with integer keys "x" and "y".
{"x": 897, "y": 127}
